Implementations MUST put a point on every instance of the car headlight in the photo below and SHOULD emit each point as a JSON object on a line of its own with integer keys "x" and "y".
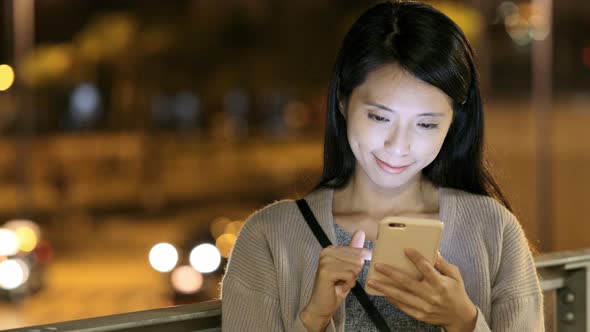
{"x": 14, "y": 272}
{"x": 205, "y": 258}
{"x": 163, "y": 257}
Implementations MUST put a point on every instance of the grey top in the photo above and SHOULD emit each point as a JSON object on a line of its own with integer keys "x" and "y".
{"x": 356, "y": 317}
{"x": 272, "y": 267}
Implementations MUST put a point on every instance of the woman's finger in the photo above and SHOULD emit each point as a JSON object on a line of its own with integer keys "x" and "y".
{"x": 339, "y": 275}
{"x": 338, "y": 264}
{"x": 423, "y": 265}
{"x": 365, "y": 253}
{"x": 447, "y": 268}
{"x": 358, "y": 239}
{"x": 343, "y": 258}
{"x": 399, "y": 295}
{"x": 401, "y": 280}
{"x": 419, "y": 314}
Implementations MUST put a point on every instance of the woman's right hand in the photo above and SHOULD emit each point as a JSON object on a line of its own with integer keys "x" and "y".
{"x": 337, "y": 272}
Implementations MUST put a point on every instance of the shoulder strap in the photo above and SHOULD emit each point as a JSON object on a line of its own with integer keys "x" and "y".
{"x": 357, "y": 290}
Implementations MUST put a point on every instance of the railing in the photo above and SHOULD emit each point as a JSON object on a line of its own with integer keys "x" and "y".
{"x": 564, "y": 279}
{"x": 204, "y": 316}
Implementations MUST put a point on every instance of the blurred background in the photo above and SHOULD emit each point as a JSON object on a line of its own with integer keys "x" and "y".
{"x": 136, "y": 136}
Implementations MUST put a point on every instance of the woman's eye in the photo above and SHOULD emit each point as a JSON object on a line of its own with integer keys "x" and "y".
{"x": 377, "y": 118}
{"x": 428, "y": 125}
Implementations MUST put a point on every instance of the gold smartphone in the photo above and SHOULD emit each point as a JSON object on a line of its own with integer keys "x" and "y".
{"x": 395, "y": 234}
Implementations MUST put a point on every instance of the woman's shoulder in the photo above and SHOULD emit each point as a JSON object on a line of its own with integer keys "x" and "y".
{"x": 272, "y": 213}
{"x": 286, "y": 210}
{"x": 478, "y": 208}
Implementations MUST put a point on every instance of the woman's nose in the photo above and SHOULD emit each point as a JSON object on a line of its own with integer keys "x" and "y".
{"x": 398, "y": 142}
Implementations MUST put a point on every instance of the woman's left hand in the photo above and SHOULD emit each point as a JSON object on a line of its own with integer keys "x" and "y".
{"x": 438, "y": 298}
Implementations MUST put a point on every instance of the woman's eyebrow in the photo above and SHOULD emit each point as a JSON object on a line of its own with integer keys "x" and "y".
{"x": 385, "y": 108}
{"x": 435, "y": 114}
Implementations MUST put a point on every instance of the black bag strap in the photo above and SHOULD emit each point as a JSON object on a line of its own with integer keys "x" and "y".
{"x": 357, "y": 290}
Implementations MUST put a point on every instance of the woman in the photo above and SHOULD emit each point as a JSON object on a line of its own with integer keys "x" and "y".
{"x": 404, "y": 137}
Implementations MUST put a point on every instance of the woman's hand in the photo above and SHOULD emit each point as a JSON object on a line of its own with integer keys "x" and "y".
{"x": 438, "y": 298}
{"x": 336, "y": 275}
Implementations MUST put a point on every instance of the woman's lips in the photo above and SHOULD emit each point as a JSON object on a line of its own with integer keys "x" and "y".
{"x": 390, "y": 168}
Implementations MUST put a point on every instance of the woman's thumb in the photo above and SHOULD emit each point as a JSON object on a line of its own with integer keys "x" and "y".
{"x": 358, "y": 239}
{"x": 342, "y": 290}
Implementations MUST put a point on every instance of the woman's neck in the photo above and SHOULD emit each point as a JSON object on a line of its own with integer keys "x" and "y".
{"x": 362, "y": 196}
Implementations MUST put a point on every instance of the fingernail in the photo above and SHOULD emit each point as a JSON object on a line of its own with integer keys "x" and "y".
{"x": 378, "y": 267}
{"x": 372, "y": 283}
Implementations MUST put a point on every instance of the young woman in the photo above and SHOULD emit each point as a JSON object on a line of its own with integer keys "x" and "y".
{"x": 404, "y": 137}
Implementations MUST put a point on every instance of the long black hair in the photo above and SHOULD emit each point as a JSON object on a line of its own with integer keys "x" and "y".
{"x": 429, "y": 45}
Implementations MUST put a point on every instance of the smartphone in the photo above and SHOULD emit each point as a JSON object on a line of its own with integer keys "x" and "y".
{"x": 395, "y": 234}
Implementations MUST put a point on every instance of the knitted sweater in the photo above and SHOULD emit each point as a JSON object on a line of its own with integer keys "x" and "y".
{"x": 272, "y": 268}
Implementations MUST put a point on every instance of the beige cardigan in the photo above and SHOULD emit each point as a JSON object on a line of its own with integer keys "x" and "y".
{"x": 270, "y": 275}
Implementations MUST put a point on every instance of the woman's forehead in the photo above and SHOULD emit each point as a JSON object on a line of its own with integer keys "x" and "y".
{"x": 397, "y": 89}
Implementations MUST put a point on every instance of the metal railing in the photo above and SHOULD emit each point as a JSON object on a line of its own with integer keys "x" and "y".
{"x": 564, "y": 279}
{"x": 204, "y": 316}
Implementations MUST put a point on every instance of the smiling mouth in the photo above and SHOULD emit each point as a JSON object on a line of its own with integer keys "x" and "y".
{"x": 391, "y": 168}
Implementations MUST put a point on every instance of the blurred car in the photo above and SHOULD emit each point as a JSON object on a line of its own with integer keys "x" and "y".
{"x": 194, "y": 268}
{"x": 24, "y": 256}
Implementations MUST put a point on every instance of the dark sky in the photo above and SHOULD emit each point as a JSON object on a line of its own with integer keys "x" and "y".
{"x": 60, "y": 20}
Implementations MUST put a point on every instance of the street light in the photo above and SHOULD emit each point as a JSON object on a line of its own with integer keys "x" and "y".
{"x": 6, "y": 77}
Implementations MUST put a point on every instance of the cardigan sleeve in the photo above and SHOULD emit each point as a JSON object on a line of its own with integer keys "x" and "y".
{"x": 245, "y": 309}
{"x": 517, "y": 299}
{"x": 249, "y": 291}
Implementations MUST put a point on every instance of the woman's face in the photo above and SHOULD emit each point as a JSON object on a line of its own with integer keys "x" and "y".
{"x": 396, "y": 126}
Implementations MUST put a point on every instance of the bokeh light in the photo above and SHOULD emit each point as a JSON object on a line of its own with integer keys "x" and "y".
{"x": 186, "y": 280}
{"x": 218, "y": 225}
{"x": 13, "y": 273}
{"x": 8, "y": 242}
{"x": 27, "y": 239}
{"x": 163, "y": 257}
{"x": 27, "y": 232}
{"x": 233, "y": 227}
{"x": 44, "y": 252}
{"x": 225, "y": 243}
{"x": 85, "y": 102}
{"x": 6, "y": 77}
{"x": 205, "y": 258}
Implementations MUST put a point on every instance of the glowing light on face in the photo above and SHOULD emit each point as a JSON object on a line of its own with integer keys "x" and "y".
{"x": 163, "y": 257}
{"x": 396, "y": 126}
{"x": 205, "y": 258}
